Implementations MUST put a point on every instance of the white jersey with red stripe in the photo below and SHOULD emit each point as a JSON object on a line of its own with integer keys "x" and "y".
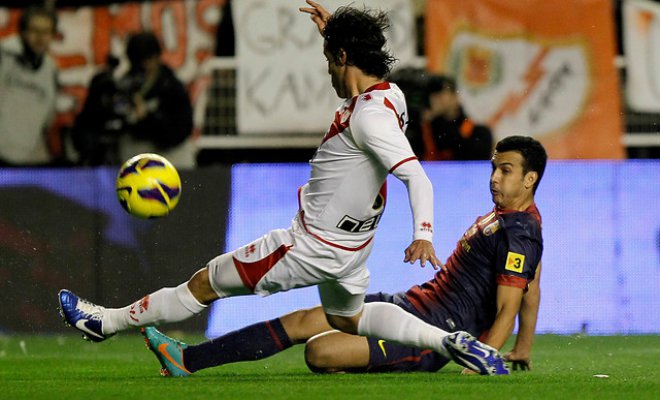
{"x": 346, "y": 194}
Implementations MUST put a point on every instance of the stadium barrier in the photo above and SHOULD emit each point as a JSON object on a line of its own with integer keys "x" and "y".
{"x": 64, "y": 228}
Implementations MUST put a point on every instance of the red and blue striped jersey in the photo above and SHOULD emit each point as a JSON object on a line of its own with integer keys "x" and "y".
{"x": 500, "y": 248}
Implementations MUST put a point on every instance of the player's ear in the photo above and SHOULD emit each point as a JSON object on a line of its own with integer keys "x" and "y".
{"x": 530, "y": 179}
{"x": 341, "y": 57}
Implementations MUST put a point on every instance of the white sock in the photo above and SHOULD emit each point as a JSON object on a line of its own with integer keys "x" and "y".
{"x": 164, "y": 305}
{"x": 390, "y": 322}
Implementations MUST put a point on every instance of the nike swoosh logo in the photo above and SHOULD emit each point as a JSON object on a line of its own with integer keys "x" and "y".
{"x": 80, "y": 324}
{"x": 162, "y": 349}
{"x": 382, "y": 347}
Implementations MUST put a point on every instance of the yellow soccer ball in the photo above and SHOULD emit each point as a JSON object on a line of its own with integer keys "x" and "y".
{"x": 148, "y": 186}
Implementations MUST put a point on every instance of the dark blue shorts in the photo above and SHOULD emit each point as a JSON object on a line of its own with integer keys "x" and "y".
{"x": 391, "y": 357}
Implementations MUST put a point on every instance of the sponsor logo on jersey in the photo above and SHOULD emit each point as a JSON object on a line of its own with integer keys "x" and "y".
{"x": 350, "y": 224}
{"x": 492, "y": 228}
{"x": 514, "y": 262}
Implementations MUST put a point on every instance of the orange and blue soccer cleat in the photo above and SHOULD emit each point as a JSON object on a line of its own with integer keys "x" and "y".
{"x": 467, "y": 351}
{"x": 168, "y": 351}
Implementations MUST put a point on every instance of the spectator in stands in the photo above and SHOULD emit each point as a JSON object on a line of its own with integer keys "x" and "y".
{"x": 97, "y": 127}
{"x": 145, "y": 110}
{"x": 28, "y": 88}
{"x": 452, "y": 134}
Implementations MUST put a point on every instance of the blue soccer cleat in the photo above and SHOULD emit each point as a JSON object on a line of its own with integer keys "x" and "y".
{"x": 82, "y": 315}
{"x": 467, "y": 351}
{"x": 168, "y": 351}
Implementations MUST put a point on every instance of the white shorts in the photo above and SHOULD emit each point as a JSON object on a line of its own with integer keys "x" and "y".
{"x": 290, "y": 258}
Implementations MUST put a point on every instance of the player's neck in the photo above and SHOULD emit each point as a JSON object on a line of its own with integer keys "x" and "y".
{"x": 358, "y": 82}
{"x": 521, "y": 204}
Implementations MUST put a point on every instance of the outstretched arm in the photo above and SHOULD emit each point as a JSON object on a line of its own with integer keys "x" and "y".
{"x": 508, "y": 306}
{"x": 420, "y": 195}
{"x": 522, "y": 349}
{"x": 317, "y": 13}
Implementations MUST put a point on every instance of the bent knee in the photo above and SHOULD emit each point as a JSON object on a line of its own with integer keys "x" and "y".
{"x": 344, "y": 323}
{"x": 319, "y": 357}
{"x": 200, "y": 287}
{"x": 303, "y": 324}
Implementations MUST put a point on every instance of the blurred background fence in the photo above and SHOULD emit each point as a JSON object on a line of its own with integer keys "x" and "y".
{"x": 585, "y": 83}
{"x": 64, "y": 228}
{"x": 579, "y": 75}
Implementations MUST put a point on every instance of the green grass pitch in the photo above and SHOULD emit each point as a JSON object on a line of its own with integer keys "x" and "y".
{"x": 66, "y": 367}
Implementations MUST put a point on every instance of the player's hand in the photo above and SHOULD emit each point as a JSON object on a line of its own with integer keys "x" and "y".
{"x": 318, "y": 14}
{"x": 423, "y": 251}
{"x": 518, "y": 361}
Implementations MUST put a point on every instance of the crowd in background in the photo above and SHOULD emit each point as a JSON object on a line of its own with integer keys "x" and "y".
{"x": 146, "y": 108}
{"x": 143, "y": 109}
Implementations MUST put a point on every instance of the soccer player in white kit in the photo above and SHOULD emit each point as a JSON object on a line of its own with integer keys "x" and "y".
{"x": 331, "y": 236}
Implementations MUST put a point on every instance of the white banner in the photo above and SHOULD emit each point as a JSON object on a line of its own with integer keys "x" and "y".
{"x": 641, "y": 23}
{"x": 283, "y": 83}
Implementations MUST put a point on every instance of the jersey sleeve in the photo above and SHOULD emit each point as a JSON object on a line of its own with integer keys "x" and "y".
{"x": 377, "y": 129}
{"x": 520, "y": 253}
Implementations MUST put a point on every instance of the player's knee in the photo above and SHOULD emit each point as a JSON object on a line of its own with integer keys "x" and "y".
{"x": 301, "y": 325}
{"x": 200, "y": 287}
{"x": 319, "y": 358}
{"x": 344, "y": 323}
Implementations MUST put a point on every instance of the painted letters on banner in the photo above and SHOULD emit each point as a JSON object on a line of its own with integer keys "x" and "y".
{"x": 641, "y": 23}
{"x": 283, "y": 82}
{"x": 533, "y": 67}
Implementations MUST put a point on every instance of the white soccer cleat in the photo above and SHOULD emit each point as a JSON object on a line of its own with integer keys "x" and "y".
{"x": 467, "y": 351}
{"x": 82, "y": 315}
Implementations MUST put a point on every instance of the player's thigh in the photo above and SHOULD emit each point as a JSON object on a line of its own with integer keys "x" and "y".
{"x": 240, "y": 271}
{"x": 336, "y": 351}
{"x": 341, "y": 306}
{"x": 301, "y": 325}
{"x": 345, "y": 296}
{"x": 224, "y": 278}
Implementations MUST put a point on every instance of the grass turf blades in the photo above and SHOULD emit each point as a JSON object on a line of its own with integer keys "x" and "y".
{"x": 66, "y": 367}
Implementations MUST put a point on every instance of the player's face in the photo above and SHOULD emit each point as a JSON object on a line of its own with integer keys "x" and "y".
{"x": 510, "y": 188}
{"x": 336, "y": 74}
{"x": 39, "y": 33}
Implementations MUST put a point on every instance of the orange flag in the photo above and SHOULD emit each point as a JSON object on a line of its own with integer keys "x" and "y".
{"x": 533, "y": 67}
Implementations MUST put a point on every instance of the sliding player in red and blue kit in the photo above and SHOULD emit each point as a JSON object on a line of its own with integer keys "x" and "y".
{"x": 491, "y": 277}
{"x": 501, "y": 248}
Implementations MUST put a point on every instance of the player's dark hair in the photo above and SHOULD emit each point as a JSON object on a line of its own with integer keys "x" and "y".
{"x": 36, "y": 11}
{"x": 533, "y": 153}
{"x": 142, "y": 46}
{"x": 360, "y": 33}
